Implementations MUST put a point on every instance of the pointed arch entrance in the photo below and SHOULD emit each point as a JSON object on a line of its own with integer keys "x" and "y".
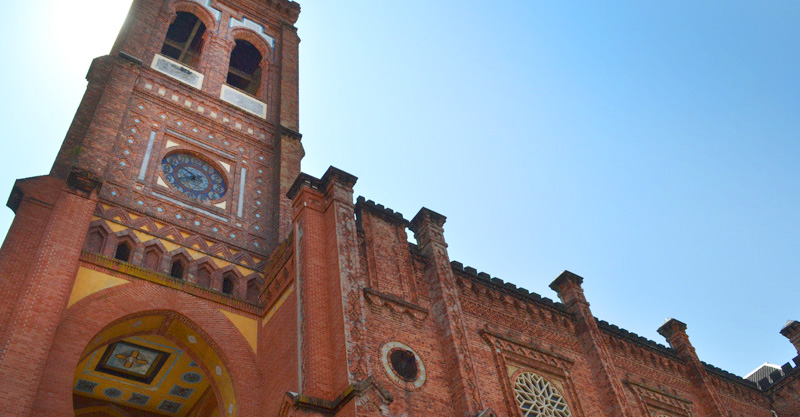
{"x": 160, "y": 319}
{"x": 155, "y": 363}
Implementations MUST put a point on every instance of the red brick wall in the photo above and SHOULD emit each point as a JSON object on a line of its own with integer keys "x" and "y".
{"x": 277, "y": 354}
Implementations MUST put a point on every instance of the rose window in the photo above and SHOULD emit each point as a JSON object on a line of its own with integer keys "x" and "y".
{"x": 539, "y": 398}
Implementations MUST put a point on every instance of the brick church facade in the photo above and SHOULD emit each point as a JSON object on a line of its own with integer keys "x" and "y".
{"x": 176, "y": 262}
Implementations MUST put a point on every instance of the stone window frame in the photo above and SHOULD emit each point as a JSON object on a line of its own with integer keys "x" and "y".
{"x": 203, "y": 15}
{"x": 523, "y": 371}
{"x": 526, "y": 357}
{"x": 422, "y": 375}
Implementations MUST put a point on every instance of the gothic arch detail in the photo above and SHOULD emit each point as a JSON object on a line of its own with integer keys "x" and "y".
{"x": 537, "y": 397}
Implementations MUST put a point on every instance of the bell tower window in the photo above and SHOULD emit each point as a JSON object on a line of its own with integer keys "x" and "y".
{"x": 177, "y": 270}
{"x": 184, "y": 39}
{"x": 244, "y": 70}
{"x": 227, "y": 284}
{"x": 123, "y": 252}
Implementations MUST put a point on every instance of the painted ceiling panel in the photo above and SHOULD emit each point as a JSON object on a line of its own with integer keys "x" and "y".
{"x": 148, "y": 372}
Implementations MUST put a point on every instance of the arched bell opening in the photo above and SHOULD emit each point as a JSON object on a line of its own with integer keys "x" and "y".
{"x": 152, "y": 364}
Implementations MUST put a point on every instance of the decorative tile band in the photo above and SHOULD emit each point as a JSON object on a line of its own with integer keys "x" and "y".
{"x": 189, "y": 207}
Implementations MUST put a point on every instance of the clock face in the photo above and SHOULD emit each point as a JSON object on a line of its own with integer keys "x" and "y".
{"x": 193, "y": 176}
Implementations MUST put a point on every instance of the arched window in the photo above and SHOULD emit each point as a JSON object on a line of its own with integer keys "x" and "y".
{"x": 252, "y": 291}
{"x": 227, "y": 283}
{"x": 184, "y": 39}
{"x": 244, "y": 70}
{"x": 96, "y": 241}
{"x": 537, "y": 397}
{"x": 123, "y": 252}
{"x": 152, "y": 259}
{"x": 204, "y": 277}
{"x": 177, "y": 269}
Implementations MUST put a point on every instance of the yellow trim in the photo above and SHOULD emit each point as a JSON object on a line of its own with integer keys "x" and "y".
{"x": 116, "y": 227}
{"x": 278, "y": 305}
{"x": 143, "y": 237}
{"x": 247, "y": 326}
{"x": 89, "y": 281}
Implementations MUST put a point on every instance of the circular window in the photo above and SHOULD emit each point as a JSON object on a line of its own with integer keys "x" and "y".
{"x": 193, "y": 176}
{"x": 537, "y": 397}
{"x": 403, "y": 365}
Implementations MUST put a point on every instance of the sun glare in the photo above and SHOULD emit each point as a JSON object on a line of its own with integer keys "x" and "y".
{"x": 86, "y": 29}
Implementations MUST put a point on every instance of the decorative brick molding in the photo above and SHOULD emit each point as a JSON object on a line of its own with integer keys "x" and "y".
{"x": 127, "y": 270}
{"x": 527, "y": 357}
{"x": 395, "y": 304}
{"x": 654, "y": 401}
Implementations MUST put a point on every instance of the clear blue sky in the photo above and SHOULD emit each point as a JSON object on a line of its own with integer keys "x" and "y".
{"x": 651, "y": 147}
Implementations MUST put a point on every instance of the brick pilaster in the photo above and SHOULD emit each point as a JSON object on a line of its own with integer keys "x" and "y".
{"x": 675, "y": 333}
{"x": 792, "y": 332}
{"x": 568, "y": 287}
{"x": 43, "y": 294}
{"x": 446, "y": 308}
{"x": 287, "y": 162}
{"x": 289, "y": 77}
{"x": 325, "y": 254}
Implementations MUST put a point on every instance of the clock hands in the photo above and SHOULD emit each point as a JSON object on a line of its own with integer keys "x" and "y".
{"x": 187, "y": 177}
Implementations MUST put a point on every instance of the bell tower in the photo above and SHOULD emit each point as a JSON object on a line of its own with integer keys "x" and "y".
{"x": 208, "y": 84}
{"x": 190, "y": 126}
{"x": 172, "y": 176}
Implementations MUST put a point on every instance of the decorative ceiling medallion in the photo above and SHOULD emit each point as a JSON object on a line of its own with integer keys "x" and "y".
{"x": 403, "y": 366}
{"x": 191, "y": 377}
{"x": 169, "y": 406}
{"x": 85, "y": 386}
{"x": 112, "y": 393}
{"x": 181, "y": 392}
{"x": 139, "y": 399}
{"x": 131, "y": 361}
